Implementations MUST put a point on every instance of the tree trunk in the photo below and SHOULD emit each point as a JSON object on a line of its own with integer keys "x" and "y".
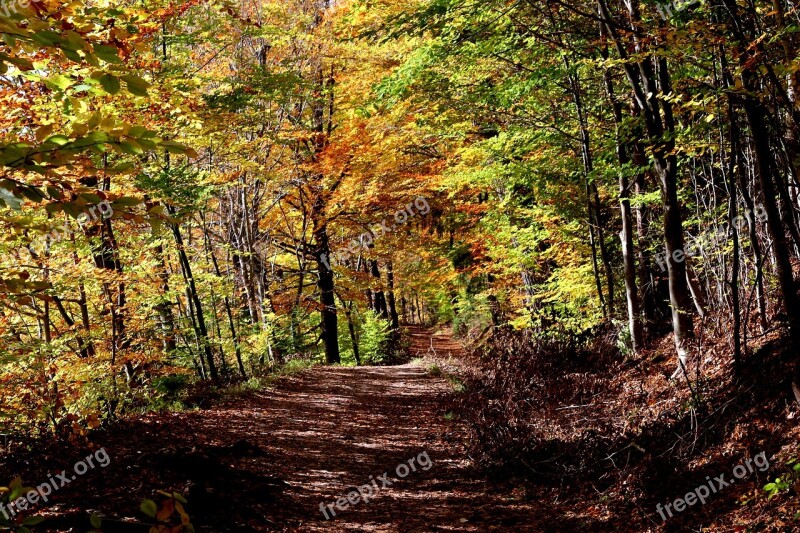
{"x": 194, "y": 298}
{"x": 348, "y": 312}
{"x": 329, "y": 321}
{"x": 783, "y": 268}
{"x": 647, "y": 85}
{"x": 226, "y": 302}
{"x": 596, "y": 234}
{"x": 380, "y": 299}
{"x": 164, "y": 309}
{"x": 626, "y": 233}
{"x": 390, "y": 300}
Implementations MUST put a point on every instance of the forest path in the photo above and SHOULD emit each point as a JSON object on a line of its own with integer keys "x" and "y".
{"x": 267, "y": 460}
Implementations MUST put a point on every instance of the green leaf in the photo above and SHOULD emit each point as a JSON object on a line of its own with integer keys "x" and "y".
{"x": 33, "y": 520}
{"x": 178, "y": 148}
{"x": 156, "y": 223}
{"x": 33, "y": 194}
{"x": 10, "y": 200}
{"x": 129, "y": 148}
{"x": 146, "y": 143}
{"x": 71, "y": 54}
{"x": 92, "y": 60}
{"x": 15, "y": 493}
{"x": 59, "y": 81}
{"x": 20, "y": 62}
{"x": 72, "y": 209}
{"x": 121, "y": 167}
{"x": 109, "y": 54}
{"x": 96, "y": 521}
{"x": 59, "y": 140}
{"x": 90, "y": 197}
{"x": 46, "y": 37}
{"x": 74, "y": 41}
{"x": 137, "y": 131}
{"x": 149, "y": 508}
{"x": 110, "y": 83}
{"x": 127, "y": 201}
{"x": 94, "y": 120}
{"x": 54, "y": 192}
{"x": 136, "y": 85}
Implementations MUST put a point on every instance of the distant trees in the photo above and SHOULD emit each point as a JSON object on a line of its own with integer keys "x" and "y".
{"x": 709, "y": 126}
{"x": 568, "y": 150}
{"x": 218, "y": 259}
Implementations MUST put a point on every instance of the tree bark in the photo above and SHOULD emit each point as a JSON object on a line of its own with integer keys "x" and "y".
{"x": 648, "y": 80}
{"x": 194, "y": 298}
{"x": 390, "y": 299}
{"x": 626, "y": 233}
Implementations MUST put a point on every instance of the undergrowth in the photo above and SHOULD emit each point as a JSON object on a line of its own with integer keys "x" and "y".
{"x": 585, "y": 414}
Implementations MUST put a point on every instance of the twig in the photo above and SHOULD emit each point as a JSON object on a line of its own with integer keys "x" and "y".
{"x": 574, "y": 407}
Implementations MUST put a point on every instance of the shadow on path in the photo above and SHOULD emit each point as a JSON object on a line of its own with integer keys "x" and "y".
{"x": 267, "y": 461}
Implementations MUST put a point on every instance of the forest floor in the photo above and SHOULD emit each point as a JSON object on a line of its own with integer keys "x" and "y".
{"x": 273, "y": 459}
{"x": 267, "y": 460}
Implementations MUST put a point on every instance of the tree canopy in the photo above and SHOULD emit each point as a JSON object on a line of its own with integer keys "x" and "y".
{"x": 200, "y": 191}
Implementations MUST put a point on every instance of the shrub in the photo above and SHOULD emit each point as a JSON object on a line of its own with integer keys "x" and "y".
{"x": 374, "y": 338}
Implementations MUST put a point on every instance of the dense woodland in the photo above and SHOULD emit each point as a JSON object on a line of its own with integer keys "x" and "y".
{"x": 198, "y": 196}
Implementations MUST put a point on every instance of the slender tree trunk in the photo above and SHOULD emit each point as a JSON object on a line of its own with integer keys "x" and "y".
{"x": 390, "y": 299}
{"x": 368, "y": 296}
{"x": 164, "y": 308}
{"x": 648, "y": 80}
{"x": 194, "y": 298}
{"x": 732, "y": 214}
{"x": 226, "y": 302}
{"x": 626, "y": 233}
{"x": 329, "y": 320}
{"x": 734, "y": 169}
{"x": 783, "y": 267}
{"x": 380, "y": 298}
{"x": 348, "y": 312}
{"x": 596, "y": 234}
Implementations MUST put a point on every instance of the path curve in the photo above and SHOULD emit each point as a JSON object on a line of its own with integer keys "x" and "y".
{"x": 267, "y": 461}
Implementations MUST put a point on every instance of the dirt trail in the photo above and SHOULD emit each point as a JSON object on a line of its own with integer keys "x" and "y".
{"x": 266, "y": 462}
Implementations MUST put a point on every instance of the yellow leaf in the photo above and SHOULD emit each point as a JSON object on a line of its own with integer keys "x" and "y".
{"x": 43, "y": 132}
